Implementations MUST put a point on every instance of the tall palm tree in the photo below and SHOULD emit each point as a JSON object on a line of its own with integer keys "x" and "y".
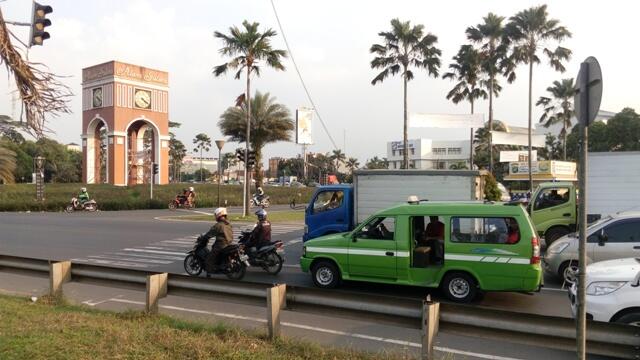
{"x": 270, "y": 122}
{"x": 558, "y": 108}
{"x": 249, "y": 49}
{"x": 338, "y": 157}
{"x": 467, "y": 70}
{"x": 405, "y": 46}
{"x": 352, "y": 163}
{"x": 529, "y": 31}
{"x": 203, "y": 143}
{"x": 490, "y": 36}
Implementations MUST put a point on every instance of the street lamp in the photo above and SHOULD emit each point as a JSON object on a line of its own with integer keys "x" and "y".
{"x": 219, "y": 144}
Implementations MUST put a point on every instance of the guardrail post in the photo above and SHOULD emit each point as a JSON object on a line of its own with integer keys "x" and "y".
{"x": 276, "y": 301}
{"x": 156, "y": 290}
{"x": 430, "y": 326}
{"x": 59, "y": 273}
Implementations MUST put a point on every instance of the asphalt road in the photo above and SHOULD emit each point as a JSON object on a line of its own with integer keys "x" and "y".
{"x": 142, "y": 240}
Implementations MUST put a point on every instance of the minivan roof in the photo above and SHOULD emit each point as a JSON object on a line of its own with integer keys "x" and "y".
{"x": 453, "y": 208}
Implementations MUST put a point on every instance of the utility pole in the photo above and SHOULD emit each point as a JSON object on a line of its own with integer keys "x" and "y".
{"x": 219, "y": 144}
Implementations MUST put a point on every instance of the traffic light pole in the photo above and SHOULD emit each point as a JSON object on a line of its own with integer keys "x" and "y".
{"x": 151, "y": 182}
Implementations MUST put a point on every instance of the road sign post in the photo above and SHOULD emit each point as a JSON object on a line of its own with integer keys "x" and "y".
{"x": 219, "y": 144}
{"x": 38, "y": 170}
{"x": 586, "y": 103}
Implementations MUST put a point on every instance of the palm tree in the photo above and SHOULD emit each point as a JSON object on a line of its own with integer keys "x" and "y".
{"x": 270, "y": 122}
{"x": 466, "y": 69}
{"x": 529, "y": 31}
{"x": 405, "y": 46}
{"x": 458, "y": 166}
{"x": 493, "y": 50}
{"x": 249, "y": 48}
{"x": 377, "y": 163}
{"x": 352, "y": 163}
{"x": 202, "y": 142}
{"x": 338, "y": 157}
{"x": 558, "y": 108}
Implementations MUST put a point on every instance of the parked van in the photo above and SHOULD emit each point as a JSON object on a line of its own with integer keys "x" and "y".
{"x": 463, "y": 248}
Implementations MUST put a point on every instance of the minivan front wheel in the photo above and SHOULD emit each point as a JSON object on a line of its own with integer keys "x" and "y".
{"x": 326, "y": 275}
{"x": 460, "y": 287}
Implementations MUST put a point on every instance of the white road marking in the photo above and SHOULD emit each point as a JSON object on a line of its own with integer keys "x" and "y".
{"x": 150, "y": 261}
{"x": 553, "y": 289}
{"x": 318, "y": 329}
{"x": 155, "y": 251}
{"x": 162, "y": 257}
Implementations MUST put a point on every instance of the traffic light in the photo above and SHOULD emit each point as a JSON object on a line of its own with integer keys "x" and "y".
{"x": 251, "y": 162}
{"x": 155, "y": 169}
{"x": 39, "y": 22}
{"x": 240, "y": 154}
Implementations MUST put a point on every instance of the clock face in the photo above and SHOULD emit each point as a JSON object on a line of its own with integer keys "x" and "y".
{"x": 142, "y": 99}
{"x": 97, "y": 97}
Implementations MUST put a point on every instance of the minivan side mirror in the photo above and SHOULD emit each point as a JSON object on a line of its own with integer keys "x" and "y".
{"x": 602, "y": 238}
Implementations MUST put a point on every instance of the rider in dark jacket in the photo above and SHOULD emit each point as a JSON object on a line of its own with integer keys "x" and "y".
{"x": 261, "y": 234}
{"x": 223, "y": 234}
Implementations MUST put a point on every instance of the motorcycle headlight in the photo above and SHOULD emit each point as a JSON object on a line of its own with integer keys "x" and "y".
{"x": 604, "y": 287}
{"x": 558, "y": 248}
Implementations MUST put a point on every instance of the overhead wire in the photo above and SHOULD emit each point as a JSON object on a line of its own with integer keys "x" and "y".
{"x": 304, "y": 86}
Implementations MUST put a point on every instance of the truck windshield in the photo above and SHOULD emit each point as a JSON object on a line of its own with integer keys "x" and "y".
{"x": 328, "y": 200}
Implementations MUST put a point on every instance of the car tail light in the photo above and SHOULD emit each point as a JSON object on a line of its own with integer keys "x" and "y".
{"x": 535, "y": 246}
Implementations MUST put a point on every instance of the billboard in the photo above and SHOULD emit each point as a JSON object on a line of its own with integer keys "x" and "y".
{"x": 507, "y": 138}
{"x": 518, "y": 155}
{"x": 303, "y": 126}
{"x": 545, "y": 170}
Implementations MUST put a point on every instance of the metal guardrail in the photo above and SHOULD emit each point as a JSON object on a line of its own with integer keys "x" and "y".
{"x": 607, "y": 339}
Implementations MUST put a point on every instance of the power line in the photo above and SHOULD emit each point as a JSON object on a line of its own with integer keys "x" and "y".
{"x": 300, "y": 77}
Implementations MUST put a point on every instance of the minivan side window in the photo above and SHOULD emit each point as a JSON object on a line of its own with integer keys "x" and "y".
{"x": 328, "y": 200}
{"x": 550, "y": 198}
{"x": 485, "y": 230}
{"x": 378, "y": 228}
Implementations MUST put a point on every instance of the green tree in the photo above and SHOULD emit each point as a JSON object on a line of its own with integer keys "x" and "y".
{"x": 405, "y": 46}
{"x": 490, "y": 36}
{"x": 530, "y": 31}
{"x": 466, "y": 70}
{"x": 377, "y": 163}
{"x": 352, "y": 163}
{"x": 553, "y": 148}
{"x": 461, "y": 165}
{"x": 270, "y": 122}
{"x": 623, "y": 131}
{"x": 558, "y": 108}
{"x": 177, "y": 152}
{"x": 203, "y": 143}
{"x": 491, "y": 190}
{"x": 338, "y": 158}
{"x": 248, "y": 48}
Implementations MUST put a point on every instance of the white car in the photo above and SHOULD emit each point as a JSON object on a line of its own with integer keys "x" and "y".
{"x": 613, "y": 291}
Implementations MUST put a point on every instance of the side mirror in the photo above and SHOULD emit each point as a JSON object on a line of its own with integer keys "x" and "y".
{"x": 354, "y": 237}
{"x": 602, "y": 238}
{"x": 636, "y": 280}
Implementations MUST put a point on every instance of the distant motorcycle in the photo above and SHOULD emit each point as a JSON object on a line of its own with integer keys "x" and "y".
{"x": 256, "y": 201}
{"x": 231, "y": 261}
{"x": 181, "y": 202}
{"x": 267, "y": 256}
{"x": 76, "y": 205}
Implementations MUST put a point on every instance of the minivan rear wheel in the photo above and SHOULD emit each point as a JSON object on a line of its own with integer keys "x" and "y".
{"x": 460, "y": 287}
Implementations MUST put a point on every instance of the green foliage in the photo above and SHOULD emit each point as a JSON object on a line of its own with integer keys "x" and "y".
{"x": 558, "y": 108}
{"x": 491, "y": 190}
{"x": 377, "y": 163}
{"x": 553, "y": 149}
{"x": 466, "y": 70}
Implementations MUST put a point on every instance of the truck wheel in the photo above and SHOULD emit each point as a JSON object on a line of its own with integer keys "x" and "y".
{"x": 554, "y": 234}
{"x": 460, "y": 287}
{"x": 326, "y": 275}
{"x": 632, "y": 319}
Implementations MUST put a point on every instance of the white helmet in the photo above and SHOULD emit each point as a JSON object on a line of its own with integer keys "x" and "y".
{"x": 220, "y": 212}
{"x": 83, "y": 189}
{"x": 191, "y": 188}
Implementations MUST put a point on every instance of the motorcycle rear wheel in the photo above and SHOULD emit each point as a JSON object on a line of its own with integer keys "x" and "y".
{"x": 273, "y": 263}
{"x": 172, "y": 205}
{"x": 192, "y": 265}
{"x": 69, "y": 208}
{"x": 238, "y": 272}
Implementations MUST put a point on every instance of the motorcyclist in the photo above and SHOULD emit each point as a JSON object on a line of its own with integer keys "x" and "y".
{"x": 83, "y": 196}
{"x": 182, "y": 198}
{"x": 259, "y": 194}
{"x": 261, "y": 233}
{"x": 191, "y": 196}
{"x": 223, "y": 234}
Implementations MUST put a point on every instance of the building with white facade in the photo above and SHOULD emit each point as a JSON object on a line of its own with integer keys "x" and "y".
{"x": 429, "y": 154}
{"x": 191, "y": 164}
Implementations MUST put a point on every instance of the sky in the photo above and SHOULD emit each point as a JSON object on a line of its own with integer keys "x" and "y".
{"x": 330, "y": 41}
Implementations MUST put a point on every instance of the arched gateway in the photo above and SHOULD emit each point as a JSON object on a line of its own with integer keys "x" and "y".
{"x": 125, "y": 124}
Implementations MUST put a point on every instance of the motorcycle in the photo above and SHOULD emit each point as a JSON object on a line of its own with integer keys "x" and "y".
{"x": 267, "y": 256}
{"x": 76, "y": 205}
{"x": 256, "y": 201}
{"x": 181, "y": 202}
{"x": 232, "y": 261}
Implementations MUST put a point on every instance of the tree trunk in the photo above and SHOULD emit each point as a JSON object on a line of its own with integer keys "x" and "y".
{"x": 200, "y": 164}
{"x": 564, "y": 142}
{"x": 247, "y": 180}
{"x": 491, "y": 80}
{"x": 530, "y": 123}
{"x": 405, "y": 139}
{"x": 258, "y": 168}
{"x": 471, "y": 141}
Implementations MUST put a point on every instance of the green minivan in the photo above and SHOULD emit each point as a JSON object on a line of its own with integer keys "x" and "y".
{"x": 463, "y": 248}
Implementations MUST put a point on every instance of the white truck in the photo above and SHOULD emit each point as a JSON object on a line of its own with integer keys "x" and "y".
{"x": 613, "y": 182}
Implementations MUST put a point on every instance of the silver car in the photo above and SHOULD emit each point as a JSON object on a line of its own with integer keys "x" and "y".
{"x": 613, "y": 237}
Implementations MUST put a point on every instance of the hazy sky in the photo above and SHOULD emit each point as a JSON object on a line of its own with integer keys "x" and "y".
{"x": 330, "y": 41}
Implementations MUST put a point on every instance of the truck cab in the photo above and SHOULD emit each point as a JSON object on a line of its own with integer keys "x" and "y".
{"x": 553, "y": 209}
{"x": 330, "y": 211}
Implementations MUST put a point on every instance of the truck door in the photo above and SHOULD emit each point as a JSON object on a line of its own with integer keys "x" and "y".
{"x": 327, "y": 214}
{"x": 618, "y": 240}
{"x": 552, "y": 206}
{"x": 373, "y": 250}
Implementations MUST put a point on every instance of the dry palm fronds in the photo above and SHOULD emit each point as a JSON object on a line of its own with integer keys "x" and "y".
{"x": 40, "y": 91}
{"x": 7, "y": 165}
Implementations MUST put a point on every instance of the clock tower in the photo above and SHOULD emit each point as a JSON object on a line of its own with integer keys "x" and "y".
{"x": 125, "y": 124}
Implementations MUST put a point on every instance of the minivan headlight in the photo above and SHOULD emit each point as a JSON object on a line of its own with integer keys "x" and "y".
{"x": 604, "y": 287}
{"x": 558, "y": 248}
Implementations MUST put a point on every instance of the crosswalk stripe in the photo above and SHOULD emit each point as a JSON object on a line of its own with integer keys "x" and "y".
{"x": 150, "y": 261}
{"x": 155, "y": 251}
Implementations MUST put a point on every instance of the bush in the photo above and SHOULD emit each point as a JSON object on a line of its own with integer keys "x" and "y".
{"x": 491, "y": 190}
{"x": 21, "y": 197}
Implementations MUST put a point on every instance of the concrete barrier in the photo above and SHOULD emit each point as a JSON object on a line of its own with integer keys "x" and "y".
{"x": 59, "y": 273}
{"x": 430, "y": 327}
{"x": 156, "y": 290}
{"x": 276, "y": 301}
